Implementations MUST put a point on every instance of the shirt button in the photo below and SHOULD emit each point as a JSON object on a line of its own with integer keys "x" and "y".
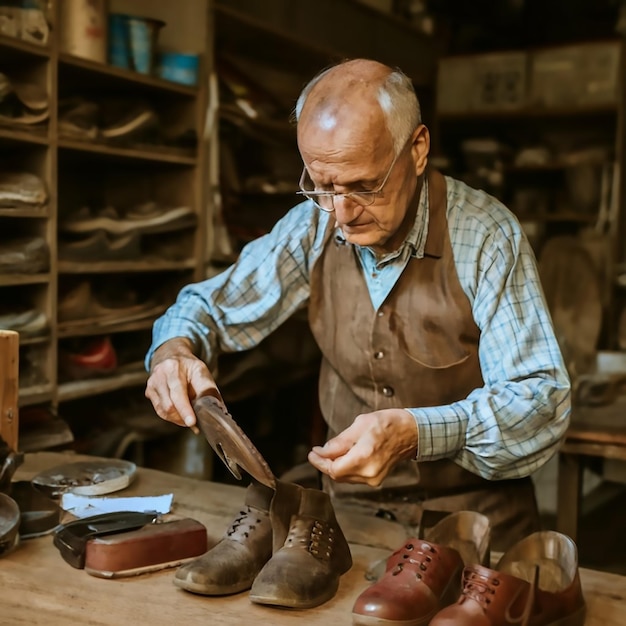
{"x": 388, "y": 391}
{"x": 379, "y": 355}
{"x": 380, "y": 313}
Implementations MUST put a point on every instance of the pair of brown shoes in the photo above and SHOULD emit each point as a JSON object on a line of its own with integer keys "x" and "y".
{"x": 285, "y": 546}
{"x": 445, "y": 580}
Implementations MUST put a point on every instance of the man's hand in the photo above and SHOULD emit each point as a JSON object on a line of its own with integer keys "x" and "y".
{"x": 366, "y": 451}
{"x": 177, "y": 377}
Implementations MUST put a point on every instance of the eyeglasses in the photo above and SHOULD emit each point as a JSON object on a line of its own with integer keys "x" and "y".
{"x": 325, "y": 200}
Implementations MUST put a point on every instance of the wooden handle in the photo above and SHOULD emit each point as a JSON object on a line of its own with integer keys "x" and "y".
{"x": 9, "y": 386}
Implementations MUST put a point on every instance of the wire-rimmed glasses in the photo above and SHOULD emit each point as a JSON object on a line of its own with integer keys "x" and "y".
{"x": 325, "y": 200}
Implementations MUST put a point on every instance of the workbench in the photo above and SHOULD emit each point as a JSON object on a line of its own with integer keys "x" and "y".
{"x": 38, "y": 587}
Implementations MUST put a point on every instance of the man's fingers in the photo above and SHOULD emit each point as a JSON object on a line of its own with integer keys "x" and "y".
{"x": 335, "y": 447}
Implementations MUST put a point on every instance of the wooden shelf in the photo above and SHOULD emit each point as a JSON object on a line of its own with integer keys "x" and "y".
{"x": 95, "y": 386}
{"x": 246, "y": 36}
{"x": 563, "y": 216}
{"x": 530, "y": 113}
{"x": 102, "y": 76}
{"x": 105, "y": 267}
{"x": 32, "y": 341}
{"x": 26, "y": 213}
{"x": 94, "y": 328}
{"x": 15, "y": 47}
{"x": 153, "y": 153}
{"x": 15, "y": 135}
{"x": 23, "y": 279}
{"x": 34, "y": 395}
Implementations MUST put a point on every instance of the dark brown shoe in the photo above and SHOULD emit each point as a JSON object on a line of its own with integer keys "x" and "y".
{"x": 536, "y": 583}
{"x": 312, "y": 552}
{"x": 234, "y": 562}
{"x": 424, "y": 575}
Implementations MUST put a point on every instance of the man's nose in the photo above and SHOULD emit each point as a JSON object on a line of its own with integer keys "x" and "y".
{"x": 346, "y": 209}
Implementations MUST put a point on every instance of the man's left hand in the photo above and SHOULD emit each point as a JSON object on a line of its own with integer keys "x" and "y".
{"x": 366, "y": 451}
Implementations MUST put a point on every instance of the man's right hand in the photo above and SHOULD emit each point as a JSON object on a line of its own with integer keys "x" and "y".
{"x": 176, "y": 378}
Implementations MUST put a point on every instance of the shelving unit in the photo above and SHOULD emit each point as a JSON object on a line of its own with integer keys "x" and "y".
{"x": 81, "y": 172}
{"x": 518, "y": 107}
{"x": 269, "y": 52}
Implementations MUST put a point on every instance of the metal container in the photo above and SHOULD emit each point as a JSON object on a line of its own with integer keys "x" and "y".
{"x": 83, "y": 26}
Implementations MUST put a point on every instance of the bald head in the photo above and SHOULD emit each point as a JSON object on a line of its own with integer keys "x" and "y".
{"x": 359, "y": 96}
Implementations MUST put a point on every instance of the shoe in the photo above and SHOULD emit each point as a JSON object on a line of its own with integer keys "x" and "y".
{"x": 425, "y": 575}
{"x": 100, "y": 246}
{"x": 126, "y": 120}
{"x": 22, "y": 103}
{"x": 233, "y": 563}
{"x": 25, "y": 255}
{"x": 310, "y": 551}
{"x": 536, "y": 583}
{"x": 96, "y": 357}
{"x": 146, "y": 218}
{"x": 22, "y": 190}
{"x": 78, "y": 118}
{"x": 27, "y": 322}
{"x": 80, "y": 306}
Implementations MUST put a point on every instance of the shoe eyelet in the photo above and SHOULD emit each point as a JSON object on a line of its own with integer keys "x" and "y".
{"x": 409, "y": 546}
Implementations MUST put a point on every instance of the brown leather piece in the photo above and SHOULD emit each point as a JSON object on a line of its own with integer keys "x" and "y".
{"x": 155, "y": 546}
{"x": 536, "y": 583}
{"x": 229, "y": 441}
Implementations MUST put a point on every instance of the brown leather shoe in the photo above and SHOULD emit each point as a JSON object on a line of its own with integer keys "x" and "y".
{"x": 234, "y": 562}
{"x": 310, "y": 551}
{"x": 424, "y": 575}
{"x": 536, "y": 583}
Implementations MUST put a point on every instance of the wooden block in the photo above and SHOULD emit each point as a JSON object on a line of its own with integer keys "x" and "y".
{"x": 9, "y": 386}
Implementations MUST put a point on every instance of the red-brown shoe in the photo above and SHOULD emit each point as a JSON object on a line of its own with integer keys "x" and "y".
{"x": 536, "y": 583}
{"x": 424, "y": 576}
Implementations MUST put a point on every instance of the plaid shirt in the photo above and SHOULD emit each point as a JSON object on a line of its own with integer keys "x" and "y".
{"x": 506, "y": 429}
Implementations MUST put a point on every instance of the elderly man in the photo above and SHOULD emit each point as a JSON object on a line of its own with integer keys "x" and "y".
{"x": 442, "y": 383}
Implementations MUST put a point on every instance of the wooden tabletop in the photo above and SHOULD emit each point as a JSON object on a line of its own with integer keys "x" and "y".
{"x": 38, "y": 587}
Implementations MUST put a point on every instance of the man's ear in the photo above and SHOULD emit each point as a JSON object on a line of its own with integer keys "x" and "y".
{"x": 420, "y": 148}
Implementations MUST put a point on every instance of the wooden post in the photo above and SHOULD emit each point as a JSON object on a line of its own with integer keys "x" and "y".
{"x": 9, "y": 386}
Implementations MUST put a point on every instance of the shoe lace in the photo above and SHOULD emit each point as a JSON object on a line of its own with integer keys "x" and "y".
{"x": 481, "y": 587}
{"x": 244, "y": 523}
{"x": 317, "y": 537}
{"x": 415, "y": 557}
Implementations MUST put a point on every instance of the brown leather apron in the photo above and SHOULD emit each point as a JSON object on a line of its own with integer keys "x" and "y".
{"x": 419, "y": 349}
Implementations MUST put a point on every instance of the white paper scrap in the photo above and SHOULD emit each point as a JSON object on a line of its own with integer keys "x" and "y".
{"x": 84, "y": 506}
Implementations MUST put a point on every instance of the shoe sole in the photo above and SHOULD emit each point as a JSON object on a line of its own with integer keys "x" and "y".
{"x": 211, "y": 590}
{"x": 127, "y": 127}
{"x": 294, "y": 604}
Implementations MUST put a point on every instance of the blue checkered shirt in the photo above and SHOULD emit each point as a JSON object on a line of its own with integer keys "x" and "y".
{"x": 508, "y": 428}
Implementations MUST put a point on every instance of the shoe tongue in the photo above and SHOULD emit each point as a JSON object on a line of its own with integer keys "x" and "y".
{"x": 259, "y": 496}
{"x": 316, "y": 504}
